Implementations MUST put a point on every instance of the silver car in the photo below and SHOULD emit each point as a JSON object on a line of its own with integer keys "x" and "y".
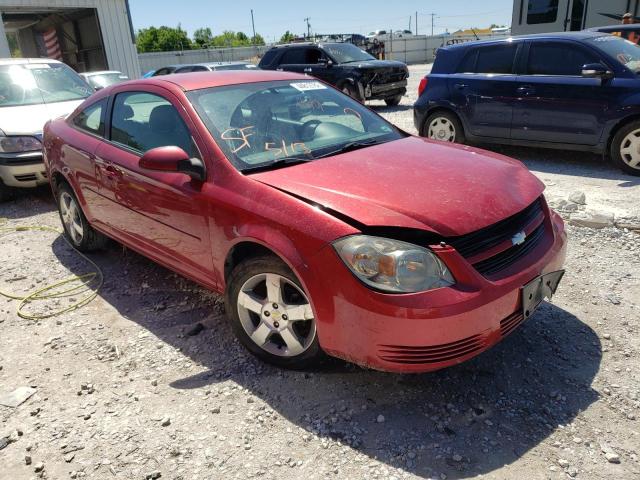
{"x": 32, "y": 91}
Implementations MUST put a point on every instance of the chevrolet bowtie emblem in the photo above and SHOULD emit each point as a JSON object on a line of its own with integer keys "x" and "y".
{"x": 518, "y": 238}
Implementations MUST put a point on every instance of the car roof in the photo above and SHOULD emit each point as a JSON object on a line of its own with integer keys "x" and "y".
{"x": 25, "y": 61}
{"x": 101, "y": 72}
{"x": 198, "y": 80}
{"x": 309, "y": 44}
{"x": 582, "y": 35}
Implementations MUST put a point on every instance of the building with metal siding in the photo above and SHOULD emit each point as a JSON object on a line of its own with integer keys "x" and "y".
{"x": 88, "y": 35}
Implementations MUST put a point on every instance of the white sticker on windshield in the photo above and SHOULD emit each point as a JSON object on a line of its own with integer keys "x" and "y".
{"x": 308, "y": 86}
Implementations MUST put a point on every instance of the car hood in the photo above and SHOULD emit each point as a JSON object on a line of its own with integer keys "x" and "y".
{"x": 375, "y": 64}
{"x": 30, "y": 119}
{"x": 413, "y": 183}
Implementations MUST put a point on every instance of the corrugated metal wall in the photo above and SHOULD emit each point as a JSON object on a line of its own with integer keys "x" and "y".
{"x": 114, "y": 25}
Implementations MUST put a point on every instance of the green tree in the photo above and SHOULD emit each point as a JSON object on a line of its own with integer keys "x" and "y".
{"x": 162, "y": 39}
{"x": 242, "y": 37}
{"x": 287, "y": 37}
{"x": 203, "y": 37}
{"x": 258, "y": 40}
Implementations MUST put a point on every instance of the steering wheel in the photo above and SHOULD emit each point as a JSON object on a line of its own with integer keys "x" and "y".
{"x": 308, "y": 129}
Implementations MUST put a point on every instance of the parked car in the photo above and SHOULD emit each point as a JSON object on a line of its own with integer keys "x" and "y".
{"x": 572, "y": 91}
{"x": 168, "y": 70}
{"x": 32, "y": 91}
{"x": 327, "y": 228}
{"x": 104, "y": 78}
{"x": 345, "y": 66}
{"x": 215, "y": 66}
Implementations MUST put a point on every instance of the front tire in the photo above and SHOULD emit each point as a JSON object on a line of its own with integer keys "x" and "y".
{"x": 444, "y": 127}
{"x": 352, "y": 91}
{"x": 77, "y": 230}
{"x": 393, "y": 101}
{"x": 625, "y": 148}
{"x": 271, "y": 315}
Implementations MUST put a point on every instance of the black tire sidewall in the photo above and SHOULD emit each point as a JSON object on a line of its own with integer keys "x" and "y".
{"x": 459, "y": 138}
{"x": 240, "y": 274}
{"x": 616, "y": 144}
{"x": 393, "y": 101}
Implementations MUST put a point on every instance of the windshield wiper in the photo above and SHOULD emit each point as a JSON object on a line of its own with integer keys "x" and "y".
{"x": 350, "y": 147}
{"x": 283, "y": 162}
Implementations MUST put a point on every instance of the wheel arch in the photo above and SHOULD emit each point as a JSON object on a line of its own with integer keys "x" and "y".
{"x": 617, "y": 127}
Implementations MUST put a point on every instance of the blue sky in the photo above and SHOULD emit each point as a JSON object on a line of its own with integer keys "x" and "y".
{"x": 273, "y": 17}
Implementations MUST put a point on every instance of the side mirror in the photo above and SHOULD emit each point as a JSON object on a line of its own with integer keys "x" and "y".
{"x": 326, "y": 62}
{"x": 596, "y": 70}
{"x": 173, "y": 159}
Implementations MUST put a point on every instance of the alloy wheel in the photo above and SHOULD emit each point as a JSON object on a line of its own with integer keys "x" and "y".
{"x": 442, "y": 129}
{"x": 276, "y": 315}
{"x": 630, "y": 149}
{"x": 70, "y": 213}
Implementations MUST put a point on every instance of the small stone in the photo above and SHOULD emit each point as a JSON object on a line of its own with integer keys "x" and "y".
{"x": 27, "y": 459}
{"x": 154, "y": 383}
{"x": 606, "y": 336}
{"x": 380, "y": 419}
{"x": 592, "y": 219}
{"x": 38, "y": 467}
{"x": 457, "y": 458}
{"x": 563, "y": 463}
{"x": 153, "y": 475}
{"x": 578, "y": 197}
{"x": 215, "y": 410}
{"x": 612, "y": 457}
{"x": 165, "y": 422}
{"x": 572, "y": 472}
{"x": 577, "y": 440}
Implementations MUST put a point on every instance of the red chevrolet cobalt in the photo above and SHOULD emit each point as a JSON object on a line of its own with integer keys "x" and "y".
{"x": 328, "y": 230}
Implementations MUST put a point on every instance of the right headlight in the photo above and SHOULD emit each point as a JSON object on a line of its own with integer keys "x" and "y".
{"x": 19, "y": 144}
{"x": 392, "y": 265}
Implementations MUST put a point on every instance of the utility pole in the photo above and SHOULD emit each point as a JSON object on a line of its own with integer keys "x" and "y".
{"x": 433, "y": 16}
{"x": 308, "y": 27}
{"x": 253, "y": 25}
{"x": 416, "y": 23}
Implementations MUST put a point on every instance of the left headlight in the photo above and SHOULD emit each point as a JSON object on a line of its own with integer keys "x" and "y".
{"x": 392, "y": 265}
{"x": 19, "y": 144}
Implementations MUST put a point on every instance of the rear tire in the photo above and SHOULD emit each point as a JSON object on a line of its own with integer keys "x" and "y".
{"x": 393, "y": 101}
{"x": 76, "y": 226}
{"x": 625, "y": 148}
{"x": 271, "y": 315}
{"x": 443, "y": 126}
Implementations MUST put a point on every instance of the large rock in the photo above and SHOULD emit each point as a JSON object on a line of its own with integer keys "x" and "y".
{"x": 592, "y": 219}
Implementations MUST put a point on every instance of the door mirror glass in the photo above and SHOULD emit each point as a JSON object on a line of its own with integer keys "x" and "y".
{"x": 173, "y": 159}
{"x": 596, "y": 70}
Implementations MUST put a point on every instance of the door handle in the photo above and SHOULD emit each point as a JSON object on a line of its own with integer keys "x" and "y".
{"x": 526, "y": 90}
{"x": 112, "y": 171}
{"x": 308, "y": 70}
{"x": 460, "y": 86}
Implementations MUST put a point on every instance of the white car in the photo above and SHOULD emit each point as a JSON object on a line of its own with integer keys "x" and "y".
{"x": 104, "y": 78}
{"x": 32, "y": 91}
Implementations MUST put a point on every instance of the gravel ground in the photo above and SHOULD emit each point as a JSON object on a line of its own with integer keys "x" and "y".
{"x": 127, "y": 388}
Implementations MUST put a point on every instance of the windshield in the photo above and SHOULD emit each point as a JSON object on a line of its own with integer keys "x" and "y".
{"x": 624, "y": 51}
{"x": 37, "y": 83}
{"x": 259, "y": 125}
{"x": 105, "y": 79}
{"x": 347, "y": 53}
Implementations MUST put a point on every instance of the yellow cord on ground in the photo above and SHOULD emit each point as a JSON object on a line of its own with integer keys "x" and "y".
{"x": 51, "y": 292}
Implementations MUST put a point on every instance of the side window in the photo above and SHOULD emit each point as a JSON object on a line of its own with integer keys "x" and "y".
{"x": 184, "y": 70}
{"x": 542, "y": 11}
{"x": 557, "y": 59}
{"x": 162, "y": 71}
{"x": 313, "y": 56}
{"x": 269, "y": 57}
{"x": 91, "y": 119}
{"x": 294, "y": 56}
{"x": 142, "y": 121}
{"x": 468, "y": 64}
{"x": 497, "y": 59}
{"x": 199, "y": 68}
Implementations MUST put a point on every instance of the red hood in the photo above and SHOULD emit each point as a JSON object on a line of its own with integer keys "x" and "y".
{"x": 414, "y": 183}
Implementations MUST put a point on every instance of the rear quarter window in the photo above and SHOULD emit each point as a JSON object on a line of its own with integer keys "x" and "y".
{"x": 269, "y": 57}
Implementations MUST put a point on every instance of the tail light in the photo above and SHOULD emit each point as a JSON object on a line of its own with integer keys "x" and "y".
{"x": 423, "y": 85}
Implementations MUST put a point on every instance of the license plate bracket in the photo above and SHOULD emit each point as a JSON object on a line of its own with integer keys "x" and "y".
{"x": 534, "y": 292}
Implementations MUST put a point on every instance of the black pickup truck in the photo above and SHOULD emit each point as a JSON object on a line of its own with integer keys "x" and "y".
{"x": 343, "y": 65}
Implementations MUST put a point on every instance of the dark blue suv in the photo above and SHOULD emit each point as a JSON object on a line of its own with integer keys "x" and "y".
{"x": 578, "y": 91}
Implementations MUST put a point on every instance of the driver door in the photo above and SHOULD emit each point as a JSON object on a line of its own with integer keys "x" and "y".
{"x": 164, "y": 212}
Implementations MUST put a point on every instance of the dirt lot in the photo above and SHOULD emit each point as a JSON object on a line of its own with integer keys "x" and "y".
{"x": 124, "y": 391}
